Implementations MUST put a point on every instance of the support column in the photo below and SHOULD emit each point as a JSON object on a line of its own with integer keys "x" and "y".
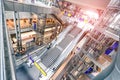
{"x": 18, "y": 31}
{"x": 44, "y": 25}
{"x": 55, "y": 31}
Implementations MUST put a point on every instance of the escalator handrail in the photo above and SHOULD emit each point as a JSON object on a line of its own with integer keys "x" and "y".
{"x": 58, "y": 19}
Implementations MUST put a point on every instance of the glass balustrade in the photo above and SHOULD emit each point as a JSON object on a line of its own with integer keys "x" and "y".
{"x": 36, "y": 2}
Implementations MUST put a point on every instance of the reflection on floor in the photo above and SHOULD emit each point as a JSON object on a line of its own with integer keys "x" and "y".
{"x": 26, "y": 73}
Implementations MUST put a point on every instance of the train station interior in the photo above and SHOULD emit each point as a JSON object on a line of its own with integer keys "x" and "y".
{"x": 59, "y": 39}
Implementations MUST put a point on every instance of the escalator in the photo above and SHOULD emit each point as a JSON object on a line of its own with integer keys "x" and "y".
{"x": 55, "y": 56}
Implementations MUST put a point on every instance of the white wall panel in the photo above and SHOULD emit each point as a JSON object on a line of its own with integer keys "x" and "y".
{"x": 9, "y": 15}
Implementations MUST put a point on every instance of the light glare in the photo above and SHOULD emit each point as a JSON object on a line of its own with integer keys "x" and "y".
{"x": 92, "y": 14}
